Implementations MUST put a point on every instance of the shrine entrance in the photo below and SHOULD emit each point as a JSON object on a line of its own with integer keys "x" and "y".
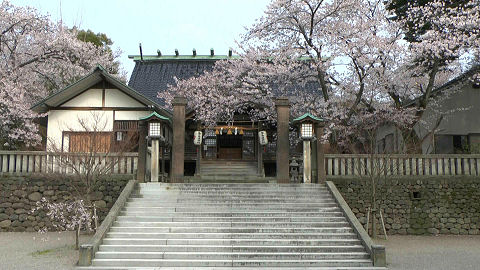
{"x": 229, "y": 144}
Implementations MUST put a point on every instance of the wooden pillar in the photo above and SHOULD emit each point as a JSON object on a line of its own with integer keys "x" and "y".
{"x": 142, "y": 150}
{"x": 283, "y": 144}
{"x": 321, "y": 176}
{"x": 178, "y": 148}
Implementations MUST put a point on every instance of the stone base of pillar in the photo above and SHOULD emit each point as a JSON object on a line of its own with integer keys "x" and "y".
{"x": 177, "y": 179}
{"x": 283, "y": 181}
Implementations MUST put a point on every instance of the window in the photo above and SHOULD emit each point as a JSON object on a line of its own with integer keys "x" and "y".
{"x": 210, "y": 142}
{"x": 460, "y": 144}
{"x": 451, "y": 144}
{"x": 120, "y": 136}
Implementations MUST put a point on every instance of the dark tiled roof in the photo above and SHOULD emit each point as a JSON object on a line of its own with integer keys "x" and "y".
{"x": 151, "y": 77}
{"x": 155, "y": 74}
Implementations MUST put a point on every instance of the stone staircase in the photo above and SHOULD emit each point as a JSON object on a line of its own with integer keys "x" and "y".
{"x": 229, "y": 171}
{"x": 224, "y": 226}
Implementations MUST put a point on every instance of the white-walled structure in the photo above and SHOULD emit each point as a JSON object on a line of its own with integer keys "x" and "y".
{"x": 96, "y": 103}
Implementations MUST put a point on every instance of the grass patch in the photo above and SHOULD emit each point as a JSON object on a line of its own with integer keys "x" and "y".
{"x": 51, "y": 251}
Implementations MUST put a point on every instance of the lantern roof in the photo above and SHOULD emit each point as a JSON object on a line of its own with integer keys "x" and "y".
{"x": 155, "y": 116}
{"x": 307, "y": 117}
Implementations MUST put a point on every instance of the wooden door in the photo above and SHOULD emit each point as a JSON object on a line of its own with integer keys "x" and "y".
{"x": 229, "y": 146}
{"x": 90, "y": 142}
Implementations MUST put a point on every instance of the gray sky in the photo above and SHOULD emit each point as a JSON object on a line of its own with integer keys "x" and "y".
{"x": 161, "y": 24}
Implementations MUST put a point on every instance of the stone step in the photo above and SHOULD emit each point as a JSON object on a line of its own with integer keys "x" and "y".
{"x": 229, "y": 179}
{"x": 248, "y": 194}
{"x": 227, "y": 171}
{"x": 173, "y": 209}
{"x": 233, "y": 230}
{"x": 164, "y": 201}
{"x": 236, "y": 195}
{"x": 335, "y": 212}
{"x": 239, "y": 242}
{"x": 216, "y": 235}
{"x": 236, "y": 205}
{"x": 229, "y": 248}
{"x": 229, "y": 263}
{"x": 229, "y": 268}
{"x": 211, "y": 186}
{"x": 231, "y": 256}
{"x": 230, "y": 224}
{"x": 221, "y": 199}
{"x": 142, "y": 218}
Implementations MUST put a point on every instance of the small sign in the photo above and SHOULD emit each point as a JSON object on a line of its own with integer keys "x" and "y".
{"x": 197, "y": 138}
{"x": 262, "y": 137}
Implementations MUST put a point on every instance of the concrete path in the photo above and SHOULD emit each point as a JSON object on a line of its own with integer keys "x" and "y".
{"x": 30, "y": 251}
{"x": 433, "y": 252}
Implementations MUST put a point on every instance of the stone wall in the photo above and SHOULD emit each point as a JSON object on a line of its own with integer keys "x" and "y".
{"x": 19, "y": 195}
{"x": 419, "y": 205}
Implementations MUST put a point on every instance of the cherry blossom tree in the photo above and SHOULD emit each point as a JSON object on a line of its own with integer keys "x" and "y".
{"x": 246, "y": 85}
{"x": 356, "y": 55}
{"x": 440, "y": 34}
{"x": 68, "y": 216}
{"x": 37, "y": 57}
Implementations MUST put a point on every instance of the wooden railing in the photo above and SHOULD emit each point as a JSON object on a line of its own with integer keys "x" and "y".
{"x": 29, "y": 162}
{"x": 401, "y": 165}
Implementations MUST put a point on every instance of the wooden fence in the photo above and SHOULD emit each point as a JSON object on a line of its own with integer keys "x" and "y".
{"x": 30, "y": 162}
{"x": 338, "y": 165}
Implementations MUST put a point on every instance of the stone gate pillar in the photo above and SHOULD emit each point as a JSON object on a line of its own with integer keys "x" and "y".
{"x": 142, "y": 150}
{"x": 320, "y": 153}
{"x": 283, "y": 144}
{"x": 178, "y": 148}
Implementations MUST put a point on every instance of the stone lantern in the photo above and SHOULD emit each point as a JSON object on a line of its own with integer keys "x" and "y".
{"x": 306, "y": 124}
{"x": 160, "y": 135}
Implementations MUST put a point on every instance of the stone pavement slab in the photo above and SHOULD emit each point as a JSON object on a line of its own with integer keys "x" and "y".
{"x": 444, "y": 252}
{"x": 26, "y": 250}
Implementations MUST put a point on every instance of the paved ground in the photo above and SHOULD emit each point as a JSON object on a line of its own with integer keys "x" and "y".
{"x": 433, "y": 252}
{"x": 38, "y": 251}
{"x": 55, "y": 251}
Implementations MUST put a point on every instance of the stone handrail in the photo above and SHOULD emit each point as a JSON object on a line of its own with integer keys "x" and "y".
{"x": 377, "y": 252}
{"x": 87, "y": 251}
{"x": 357, "y": 165}
{"x": 30, "y": 162}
